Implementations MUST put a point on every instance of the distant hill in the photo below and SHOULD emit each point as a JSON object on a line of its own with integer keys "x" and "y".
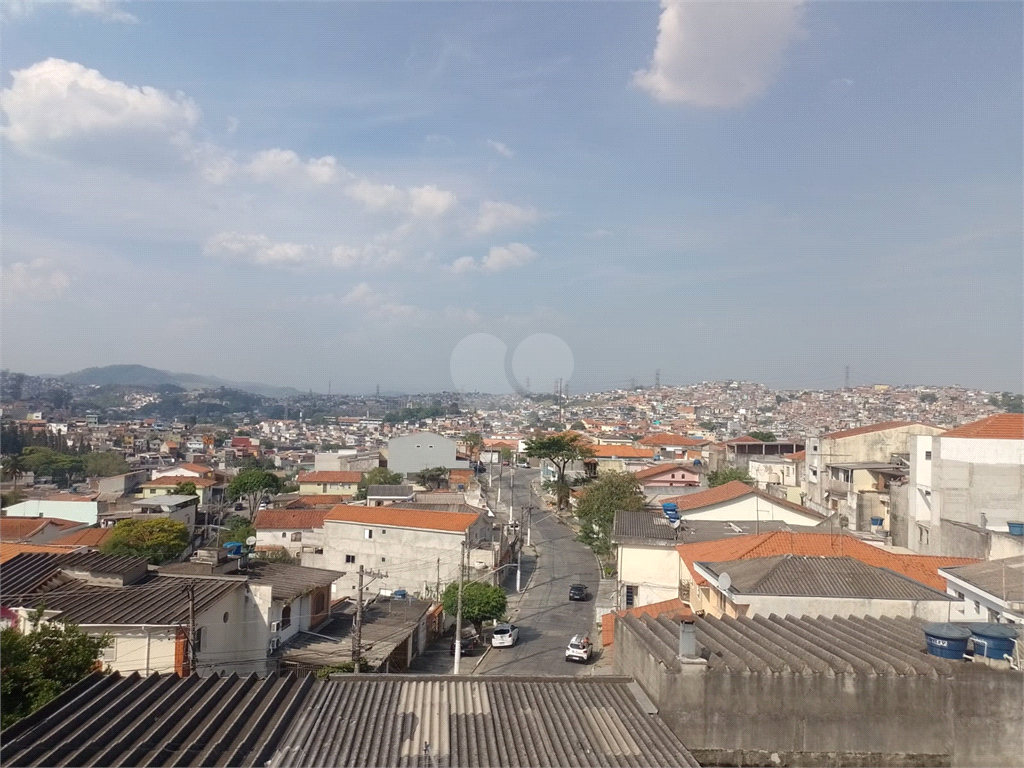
{"x": 143, "y": 376}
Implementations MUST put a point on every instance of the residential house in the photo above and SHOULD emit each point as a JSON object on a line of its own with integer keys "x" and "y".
{"x": 291, "y": 529}
{"x": 972, "y": 475}
{"x": 382, "y": 495}
{"x": 421, "y": 549}
{"x": 738, "y": 501}
{"x": 877, "y": 443}
{"x": 802, "y": 585}
{"x": 188, "y": 469}
{"x": 340, "y": 483}
{"x": 84, "y": 512}
{"x": 35, "y": 530}
{"x": 91, "y": 538}
{"x": 991, "y": 591}
{"x": 166, "y": 484}
{"x": 669, "y": 476}
{"x": 10, "y": 549}
{"x": 617, "y": 458}
{"x": 180, "y": 508}
{"x": 408, "y": 454}
{"x": 669, "y": 447}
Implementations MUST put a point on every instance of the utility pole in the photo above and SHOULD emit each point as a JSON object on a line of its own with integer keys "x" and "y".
{"x": 357, "y": 637}
{"x": 439, "y": 579}
{"x": 657, "y": 379}
{"x": 519, "y": 559}
{"x": 190, "y": 591}
{"x": 458, "y": 609}
{"x": 847, "y": 377}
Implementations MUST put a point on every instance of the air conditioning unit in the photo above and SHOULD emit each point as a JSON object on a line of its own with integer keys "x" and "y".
{"x": 275, "y": 626}
{"x": 274, "y": 642}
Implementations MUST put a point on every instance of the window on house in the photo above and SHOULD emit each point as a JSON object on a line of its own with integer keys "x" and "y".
{"x": 286, "y": 617}
{"x": 283, "y": 534}
{"x": 383, "y": 530}
{"x": 350, "y": 558}
{"x": 927, "y": 455}
{"x": 199, "y": 639}
{"x": 630, "y": 595}
{"x": 318, "y": 550}
{"x": 419, "y": 446}
{"x": 319, "y": 603}
{"x": 110, "y": 652}
{"x": 297, "y": 536}
{"x": 368, "y": 533}
{"x": 383, "y": 559}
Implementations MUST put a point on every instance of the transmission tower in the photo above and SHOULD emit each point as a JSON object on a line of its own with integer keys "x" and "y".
{"x": 527, "y": 383}
{"x": 847, "y": 377}
{"x": 657, "y": 379}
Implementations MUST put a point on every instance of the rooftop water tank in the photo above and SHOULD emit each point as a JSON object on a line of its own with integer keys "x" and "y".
{"x": 992, "y": 640}
{"x": 399, "y": 594}
{"x": 671, "y": 511}
{"x": 1016, "y": 527}
{"x": 877, "y": 521}
{"x": 948, "y": 641}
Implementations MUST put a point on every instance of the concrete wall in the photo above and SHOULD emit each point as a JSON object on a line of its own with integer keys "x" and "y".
{"x": 749, "y": 508}
{"x": 975, "y": 718}
{"x": 422, "y": 450}
{"x": 340, "y": 489}
{"x": 80, "y": 511}
{"x": 238, "y": 644}
{"x": 757, "y": 605}
{"x": 139, "y": 649}
{"x": 652, "y": 571}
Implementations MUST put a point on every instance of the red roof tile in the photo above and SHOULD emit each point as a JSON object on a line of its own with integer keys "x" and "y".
{"x": 87, "y": 537}
{"x": 19, "y": 528}
{"x": 399, "y": 517}
{"x": 291, "y": 519}
{"x": 674, "y": 609}
{"x": 880, "y": 427}
{"x": 330, "y": 477}
{"x": 743, "y": 439}
{"x": 660, "y": 469}
{"x": 317, "y": 500}
{"x": 798, "y": 456}
{"x": 9, "y": 549}
{"x": 734, "y": 489}
{"x": 921, "y": 568}
{"x": 1002, "y": 426}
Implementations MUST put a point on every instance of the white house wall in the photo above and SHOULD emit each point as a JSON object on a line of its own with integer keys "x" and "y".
{"x": 750, "y": 508}
{"x": 653, "y": 571}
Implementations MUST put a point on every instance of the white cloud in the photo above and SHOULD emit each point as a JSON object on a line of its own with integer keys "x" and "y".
{"x": 495, "y": 216}
{"x": 35, "y": 280}
{"x": 258, "y": 249}
{"x": 379, "y": 305}
{"x": 430, "y": 202}
{"x": 719, "y": 54}
{"x": 421, "y": 202}
{"x": 276, "y": 164}
{"x": 108, "y": 10}
{"x": 501, "y": 149}
{"x": 55, "y": 100}
{"x": 462, "y": 315}
{"x": 499, "y": 258}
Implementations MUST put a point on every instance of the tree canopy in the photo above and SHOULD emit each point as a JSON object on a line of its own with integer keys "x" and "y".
{"x": 251, "y": 485}
{"x": 105, "y": 464}
{"x": 377, "y": 476}
{"x": 561, "y": 450}
{"x": 236, "y": 528}
{"x": 62, "y": 467}
{"x": 727, "y": 475}
{"x": 763, "y": 435}
{"x": 612, "y": 492}
{"x": 431, "y": 478}
{"x": 36, "y": 667}
{"x": 184, "y": 488}
{"x": 480, "y": 602}
{"x": 157, "y": 540}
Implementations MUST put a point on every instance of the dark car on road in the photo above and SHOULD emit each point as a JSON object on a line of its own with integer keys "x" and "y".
{"x": 578, "y": 592}
{"x": 469, "y": 644}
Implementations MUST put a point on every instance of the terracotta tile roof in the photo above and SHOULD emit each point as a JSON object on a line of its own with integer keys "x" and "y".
{"x": 660, "y": 469}
{"x": 317, "y": 500}
{"x": 399, "y": 517}
{"x": 921, "y": 568}
{"x": 291, "y": 519}
{"x": 743, "y": 439}
{"x": 726, "y": 492}
{"x": 1002, "y": 426}
{"x": 191, "y": 467}
{"x": 674, "y": 609}
{"x": 330, "y": 477}
{"x": 87, "y": 537}
{"x": 18, "y": 528}
{"x": 880, "y": 427}
{"x": 798, "y": 456}
{"x": 169, "y": 481}
{"x": 9, "y": 549}
{"x": 667, "y": 438}
{"x": 621, "y": 452}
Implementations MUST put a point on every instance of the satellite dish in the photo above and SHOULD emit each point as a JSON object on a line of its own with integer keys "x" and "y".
{"x": 725, "y": 581}
{"x": 676, "y": 523}
{"x": 251, "y": 541}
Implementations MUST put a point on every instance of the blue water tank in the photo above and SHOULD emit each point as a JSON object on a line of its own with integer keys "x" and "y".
{"x": 948, "y": 641}
{"x": 671, "y": 511}
{"x": 234, "y": 547}
{"x": 1016, "y": 528}
{"x": 877, "y": 520}
{"x": 992, "y": 640}
{"x": 697, "y": 462}
{"x": 399, "y": 594}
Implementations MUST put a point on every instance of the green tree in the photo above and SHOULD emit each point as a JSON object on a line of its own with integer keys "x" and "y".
{"x": 274, "y": 556}
{"x": 13, "y": 468}
{"x": 561, "y": 450}
{"x": 727, "y": 475}
{"x": 236, "y": 528}
{"x": 474, "y": 442}
{"x": 377, "y": 476}
{"x": 251, "y": 485}
{"x": 38, "y": 666}
{"x": 157, "y": 540}
{"x": 708, "y": 426}
{"x": 480, "y": 602}
{"x": 433, "y": 477}
{"x": 184, "y": 488}
{"x": 1011, "y": 403}
{"x": 764, "y": 436}
{"x": 105, "y": 464}
{"x": 612, "y": 492}
{"x": 928, "y": 397}
{"x": 577, "y": 425}
{"x": 62, "y": 467}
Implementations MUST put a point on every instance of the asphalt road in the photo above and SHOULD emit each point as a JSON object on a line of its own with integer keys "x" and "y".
{"x": 545, "y": 616}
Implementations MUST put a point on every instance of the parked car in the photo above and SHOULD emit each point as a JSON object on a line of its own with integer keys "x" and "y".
{"x": 523, "y": 465}
{"x": 578, "y": 592}
{"x": 469, "y": 644}
{"x": 579, "y": 649}
{"x": 505, "y": 636}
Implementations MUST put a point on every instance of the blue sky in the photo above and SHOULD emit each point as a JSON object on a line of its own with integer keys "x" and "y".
{"x": 402, "y": 193}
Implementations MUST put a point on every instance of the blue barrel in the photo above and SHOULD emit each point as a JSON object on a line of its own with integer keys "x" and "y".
{"x": 1016, "y": 528}
{"x": 671, "y": 510}
{"x": 947, "y": 641}
{"x": 992, "y": 640}
{"x": 877, "y": 520}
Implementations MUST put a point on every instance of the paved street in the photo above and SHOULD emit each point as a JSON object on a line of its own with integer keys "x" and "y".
{"x": 543, "y": 612}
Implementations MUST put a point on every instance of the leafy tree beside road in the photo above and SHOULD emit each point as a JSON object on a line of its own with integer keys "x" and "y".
{"x": 727, "y": 475}
{"x": 480, "y": 602}
{"x": 236, "y": 528}
{"x": 251, "y": 485}
{"x": 561, "y": 450}
{"x": 38, "y": 666}
{"x": 612, "y": 492}
{"x": 157, "y": 540}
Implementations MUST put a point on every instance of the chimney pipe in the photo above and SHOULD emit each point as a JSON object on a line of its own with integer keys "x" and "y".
{"x": 687, "y": 638}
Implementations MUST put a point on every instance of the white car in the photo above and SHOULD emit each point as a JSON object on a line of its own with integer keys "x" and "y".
{"x": 505, "y": 636}
{"x": 579, "y": 649}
